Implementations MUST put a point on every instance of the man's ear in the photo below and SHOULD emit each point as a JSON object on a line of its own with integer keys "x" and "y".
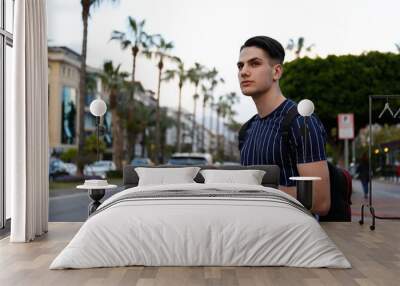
{"x": 277, "y": 72}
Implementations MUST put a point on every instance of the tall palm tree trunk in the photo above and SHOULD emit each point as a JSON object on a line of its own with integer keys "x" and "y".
{"x": 117, "y": 140}
{"x": 131, "y": 136}
{"x": 194, "y": 141}
{"x": 82, "y": 90}
{"x": 158, "y": 137}
{"x": 194, "y": 120}
{"x": 211, "y": 126}
{"x": 203, "y": 129}
{"x": 217, "y": 131}
{"x": 178, "y": 127}
{"x": 143, "y": 142}
{"x": 222, "y": 146}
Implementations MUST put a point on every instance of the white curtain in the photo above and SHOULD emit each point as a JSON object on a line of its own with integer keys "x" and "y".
{"x": 27, "y": 123}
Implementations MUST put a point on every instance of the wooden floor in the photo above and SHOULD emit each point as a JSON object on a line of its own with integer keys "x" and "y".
{"x": 374, "y": 255}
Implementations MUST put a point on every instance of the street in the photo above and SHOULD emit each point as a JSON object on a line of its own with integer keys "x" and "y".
{"x": 385, "y": 199}
{"x": 71, "y": 205}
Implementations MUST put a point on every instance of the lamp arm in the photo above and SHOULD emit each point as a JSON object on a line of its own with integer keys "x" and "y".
{"x": 98, "y": 135}
{"x": 305, "y": 137}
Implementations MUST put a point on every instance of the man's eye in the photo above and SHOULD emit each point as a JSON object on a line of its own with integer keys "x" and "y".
{"x": 253, "y": 64}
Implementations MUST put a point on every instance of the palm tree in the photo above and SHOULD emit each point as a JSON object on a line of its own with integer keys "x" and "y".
{"x": 136, "y": 40}
{"x": 195, "y": 134}
{"x": 222, "y": 105}
{"x": 196, "y": 74}
{"x": 113, "y": 82}
{"x": 166, "y": 122}
{"x": 232, "y": 98}
{"x": 228, "y": 113}
{"x": 298, "y": 47}
{"x": 214, "y": 80}
{"x": 162, "y": 49}
{"x": 182, "y": 75}
{"x": 86, "y": 6}
{"x": 213, "y": 107}
{"x": 207, "y": 94}
{"x": 144, "y": 116}
{"x": 224, "y": 108}
{"x": 397, "y": 46}
{"x": 233, "y": 126}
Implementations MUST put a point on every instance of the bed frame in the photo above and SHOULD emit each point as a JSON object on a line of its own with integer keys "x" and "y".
{"x": 270, "y": 179}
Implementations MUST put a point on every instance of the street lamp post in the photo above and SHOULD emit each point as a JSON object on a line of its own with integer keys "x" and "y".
{"x": 98, "y": 108}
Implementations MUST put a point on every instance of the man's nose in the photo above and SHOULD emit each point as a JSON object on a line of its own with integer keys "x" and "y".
{"x": 244, "y": 72}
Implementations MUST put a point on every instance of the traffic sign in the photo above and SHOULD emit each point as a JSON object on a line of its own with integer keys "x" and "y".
{"x": 346, "y": 125}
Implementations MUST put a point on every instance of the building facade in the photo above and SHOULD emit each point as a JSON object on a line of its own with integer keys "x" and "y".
{"x": 64, "y": 74}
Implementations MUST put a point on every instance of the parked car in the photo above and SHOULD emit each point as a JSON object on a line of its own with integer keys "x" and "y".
{"x": 71, "y": 168}
{"x": 230, "y": 163}
{"x": 99, "y": 168}
{"x": 189, "y": 159}
{"x": 140, "y": 162}
{"x": 57, "y": 168}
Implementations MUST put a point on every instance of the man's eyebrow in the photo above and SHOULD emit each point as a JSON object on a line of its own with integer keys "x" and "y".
{"x": 250, "y": 60}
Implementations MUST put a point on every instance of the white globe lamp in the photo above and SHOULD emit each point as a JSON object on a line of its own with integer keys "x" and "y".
{"x": 305, "y": 107}
{"x": 98, "y": 107}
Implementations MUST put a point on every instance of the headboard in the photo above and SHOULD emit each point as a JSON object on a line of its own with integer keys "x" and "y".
{"x": 270, "y": 179}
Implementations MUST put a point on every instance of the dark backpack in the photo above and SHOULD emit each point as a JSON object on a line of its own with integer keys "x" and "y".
{"x": 340, "y": 180}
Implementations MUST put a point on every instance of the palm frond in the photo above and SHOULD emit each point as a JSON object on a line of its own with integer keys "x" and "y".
{"x": 169, "y": 75}
{"x": 117, "y": 35}
{"x": 148, "y": 54}
{"x": 132, "y": 24}
{"x": 125, "y": 44}
{"x": 308, "y": 49}
{"x": 290, "y": 45}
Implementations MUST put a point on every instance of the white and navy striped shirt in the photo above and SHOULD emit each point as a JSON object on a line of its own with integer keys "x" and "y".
{"x": 263, "y": 142}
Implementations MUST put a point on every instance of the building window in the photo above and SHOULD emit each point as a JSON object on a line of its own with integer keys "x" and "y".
{"x": 68, "y": 113}
{"x": 90, "y": 122}
{"x": 6, "y": 43}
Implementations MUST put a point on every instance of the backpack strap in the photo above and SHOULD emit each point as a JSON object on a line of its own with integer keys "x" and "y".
{"x": 287, "y": 122}
{"x": 285, "y": 131}
{"x": 243, "y": 131}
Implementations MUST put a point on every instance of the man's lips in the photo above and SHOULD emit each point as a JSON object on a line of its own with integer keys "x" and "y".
{"x": 246, "y": 82}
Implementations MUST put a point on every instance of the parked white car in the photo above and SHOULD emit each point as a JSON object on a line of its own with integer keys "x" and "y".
{"x": 190, "y": 159}
{"x": 59, "y": 168}
{"x": 71, "y": 168}
{"x": 99, "y": 168}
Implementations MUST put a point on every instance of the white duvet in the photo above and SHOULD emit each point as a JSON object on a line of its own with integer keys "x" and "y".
{"x": 200, "y": 231}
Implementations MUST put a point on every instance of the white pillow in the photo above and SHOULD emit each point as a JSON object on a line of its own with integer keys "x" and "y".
{"x": 249, "y": 177}
{"x": 163, "y": 176}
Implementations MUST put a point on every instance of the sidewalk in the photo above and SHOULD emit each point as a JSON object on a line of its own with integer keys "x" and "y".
{"x": 385, "y": 199}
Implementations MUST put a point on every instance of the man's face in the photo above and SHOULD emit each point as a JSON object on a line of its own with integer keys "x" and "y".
{"x": 255, "y": 71}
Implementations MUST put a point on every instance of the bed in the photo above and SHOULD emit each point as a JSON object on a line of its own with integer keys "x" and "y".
{"x": 201, "y": 224}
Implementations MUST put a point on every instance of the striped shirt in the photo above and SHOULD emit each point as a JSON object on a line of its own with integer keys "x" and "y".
{"x": 263, "y": 142}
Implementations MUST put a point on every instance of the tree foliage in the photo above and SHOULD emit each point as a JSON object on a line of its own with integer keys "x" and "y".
{"x": 342, "y": 84}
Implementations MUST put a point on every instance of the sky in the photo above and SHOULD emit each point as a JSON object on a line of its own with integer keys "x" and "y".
{"x": 211, "y": 32}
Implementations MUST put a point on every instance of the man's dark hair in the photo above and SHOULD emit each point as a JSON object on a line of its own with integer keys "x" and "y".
{"x": 271, "y": 46}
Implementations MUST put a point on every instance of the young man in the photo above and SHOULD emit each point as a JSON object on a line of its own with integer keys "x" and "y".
{"x": 260, "y": 68}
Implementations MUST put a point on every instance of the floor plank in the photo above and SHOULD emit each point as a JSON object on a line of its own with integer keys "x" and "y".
{"x": 374, "y": 255}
